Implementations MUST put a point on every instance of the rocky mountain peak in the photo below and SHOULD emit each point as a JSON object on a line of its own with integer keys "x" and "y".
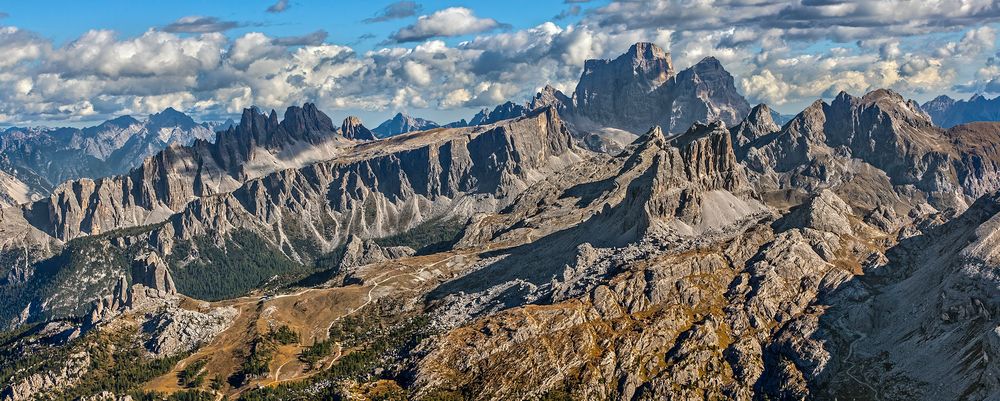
{"x": 151, "y": 271}
{"x": 710, "y": 158}
{"x": 170, "y": 117}
{"x": 708, "y": 64}
{"x": 550, "y": 96}
{"x": 688, "y": 184}
{"x": 703, "y": 150}
{"x": 272, "y": 118}
{"x": 644, "y": 64}
{"x": 655, "y": 134}
{"x": 650, "y": 60}
{"x": 758, "y": 123}
{"x": 119, "y": 122}
{"x": 504, "y": 111}
{"x": 253, "y": 123}
{"x": 698, "y": 131}
{"x": 879, "y": 95}
{"x": 640, "y": 89}
{"x": 307, "y": 119}
{"x": 401, "y": 124}
{"x": 943, "y": 99}
{"x": 893, "y": 104}
{"x": 353, "y": 129}
{"x": 300, "y": 124}
{"x": 646, "y": 51}
{"x": 761, "y": 114}
{"x": 843, "y": 98}
{"x": 653, "y": 140}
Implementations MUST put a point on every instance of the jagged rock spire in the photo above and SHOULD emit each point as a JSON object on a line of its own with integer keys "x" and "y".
{"x": 307, "y": 118}
{"x": 151, "y": 271}
{"x": 641, "y": 88}
{"x": 353, "y": 129}
{"x": 758, "y": 123}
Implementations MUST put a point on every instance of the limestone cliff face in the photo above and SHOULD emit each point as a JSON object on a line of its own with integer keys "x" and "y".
{"x": 550, "y": 96}
{"x": 757, "y": 124}
{"x": 385, "y": 187}
{"x": 978, "y": 164}
{"x": 691, "y": 183}
{"x": 620, "y": 92}
{"x": 704, "y": 93}
{"x": 359, "y": 253}
{"x": 880, "y": 132}
{"x": 166, "y": 182}
{"x": 353, "y": 129}
{"x": 640, "y": 89}
{"x": 151, "y": 271}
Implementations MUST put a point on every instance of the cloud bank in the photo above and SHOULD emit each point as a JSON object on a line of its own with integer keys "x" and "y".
{"x": 782, "y": 53}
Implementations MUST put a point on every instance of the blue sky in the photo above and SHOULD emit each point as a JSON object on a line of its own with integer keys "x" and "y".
{"x": 444, "y": 60}
{"x": 341, "y": 19}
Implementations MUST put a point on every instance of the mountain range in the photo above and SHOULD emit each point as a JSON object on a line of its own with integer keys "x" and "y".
{"x": 38, "y": 159}
{"x": 948, "y": 112}
{"x": 651, "y": 236}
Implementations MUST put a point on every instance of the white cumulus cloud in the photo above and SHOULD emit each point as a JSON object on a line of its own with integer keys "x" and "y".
{"x": 452, "y": 21}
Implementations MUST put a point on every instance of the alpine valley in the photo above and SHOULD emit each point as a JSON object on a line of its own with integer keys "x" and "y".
{"x": 650, "y": 235}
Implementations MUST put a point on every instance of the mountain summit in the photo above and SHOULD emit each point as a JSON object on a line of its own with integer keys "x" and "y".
{"x": 640, "y": 89}
{"x": 401, "y": 124}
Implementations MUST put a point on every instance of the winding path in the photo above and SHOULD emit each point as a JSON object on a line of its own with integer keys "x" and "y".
{"x": 850, "y": 353}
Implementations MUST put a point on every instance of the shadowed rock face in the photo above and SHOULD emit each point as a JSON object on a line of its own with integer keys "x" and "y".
{"x": 884, "y": 132}
{"x": 353, "y": 129}
{"x": 151, "y": 271}
{"x": 550, "y": 96}
{"x": 640, "y": 89}
{"x": 756, "y": 125}
{"x": 502, "y": 112}
{"x": 620, "y": 92}
{"x": 401, "y": 124}
{"x": 308, "y": 122}
{"x": 685, "y": 176}
{"x": 978, "y": 166}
